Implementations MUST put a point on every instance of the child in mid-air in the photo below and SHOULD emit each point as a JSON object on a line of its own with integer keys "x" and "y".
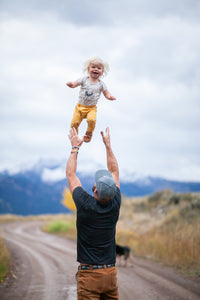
{"x": 90, "y": 91}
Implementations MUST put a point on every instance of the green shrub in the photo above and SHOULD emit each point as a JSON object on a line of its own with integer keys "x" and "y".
{"x": 58, "y": 226}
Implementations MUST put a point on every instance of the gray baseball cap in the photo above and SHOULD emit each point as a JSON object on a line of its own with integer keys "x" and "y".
{"x": 106, "y": 186}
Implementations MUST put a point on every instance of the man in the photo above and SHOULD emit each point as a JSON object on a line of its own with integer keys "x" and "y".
{"x": 96, "y": 224}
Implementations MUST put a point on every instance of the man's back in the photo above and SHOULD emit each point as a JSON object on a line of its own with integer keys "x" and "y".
{"x": 96, "y": 225}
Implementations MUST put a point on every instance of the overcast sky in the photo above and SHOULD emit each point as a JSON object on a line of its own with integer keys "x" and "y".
{"x": 153, "y": 50}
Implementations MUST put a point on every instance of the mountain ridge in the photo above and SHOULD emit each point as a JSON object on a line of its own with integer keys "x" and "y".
{"x": 27, "y": 193}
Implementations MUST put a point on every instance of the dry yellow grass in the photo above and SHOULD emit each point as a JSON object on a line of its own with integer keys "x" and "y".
{"x": 177, "y": 245}
{"x": 164, "y": 227}
{"x": 4, "y": 259}
{"x": 14, "y": 218}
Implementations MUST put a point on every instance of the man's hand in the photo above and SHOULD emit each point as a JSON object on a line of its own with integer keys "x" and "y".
{"x": 74, "y": 138}
{"x": 106, "y": 137}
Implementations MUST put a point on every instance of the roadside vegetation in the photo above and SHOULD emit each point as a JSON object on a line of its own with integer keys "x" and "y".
{"x": 164, "y": 227}
{"x": 64, "y": 227}
{"x": 4, "y": 260}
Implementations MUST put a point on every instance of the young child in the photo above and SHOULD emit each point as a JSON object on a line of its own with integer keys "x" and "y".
{"x": 90, "y": 91}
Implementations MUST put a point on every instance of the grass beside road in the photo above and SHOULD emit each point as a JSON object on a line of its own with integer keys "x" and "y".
{"x": 65, "y": 227}
{"x": 164, "y": 227}
{"x": 4, "y": 259}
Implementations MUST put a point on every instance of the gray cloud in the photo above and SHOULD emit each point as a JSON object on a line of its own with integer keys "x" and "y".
{"x": 105, "y": 12}
{"x": 153, "y": 51}
{"x": 77, "y": 12}
{"x": 163, "y": 50}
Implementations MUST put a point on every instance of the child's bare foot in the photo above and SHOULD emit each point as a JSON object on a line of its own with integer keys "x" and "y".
{"x": 87, "y": 136}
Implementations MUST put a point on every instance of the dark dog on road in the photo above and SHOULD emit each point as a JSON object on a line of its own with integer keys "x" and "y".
{"x": 124, "y": 252}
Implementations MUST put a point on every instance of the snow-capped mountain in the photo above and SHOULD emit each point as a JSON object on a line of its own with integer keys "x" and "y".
{"x": 39, "y": 190}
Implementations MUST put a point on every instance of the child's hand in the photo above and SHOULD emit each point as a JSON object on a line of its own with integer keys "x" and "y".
{"x": 70, "y": 84}
{"x": 111, "y": 98}
{"x": 108, "y": 95}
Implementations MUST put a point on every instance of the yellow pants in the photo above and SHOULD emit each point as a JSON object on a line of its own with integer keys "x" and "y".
{"x": 84, "y": 112}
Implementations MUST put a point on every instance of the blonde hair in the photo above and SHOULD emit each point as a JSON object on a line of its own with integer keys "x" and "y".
{"x": 96, "y": 60}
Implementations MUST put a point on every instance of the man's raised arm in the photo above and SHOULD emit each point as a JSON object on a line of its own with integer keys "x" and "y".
{"x": 71, "y": 167}
{"x": 111, "y": 159}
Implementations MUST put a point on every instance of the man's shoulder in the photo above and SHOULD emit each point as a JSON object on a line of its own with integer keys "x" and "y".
{"x": 118, "y": 195}
{"x": 78, "y": 190}
{"x": 79, "y": 193}
{"x": 118, "y": 191}
{"x": 81, "y": 197}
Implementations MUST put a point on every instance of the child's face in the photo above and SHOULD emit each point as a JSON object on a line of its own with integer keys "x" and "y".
{"x": 95, "y": 70}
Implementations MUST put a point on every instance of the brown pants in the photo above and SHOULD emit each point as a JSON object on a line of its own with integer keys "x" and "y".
{"x": 98, "y": 284}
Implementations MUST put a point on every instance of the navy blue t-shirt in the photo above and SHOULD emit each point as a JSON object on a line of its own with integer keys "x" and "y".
{"x": 96, "y": 227}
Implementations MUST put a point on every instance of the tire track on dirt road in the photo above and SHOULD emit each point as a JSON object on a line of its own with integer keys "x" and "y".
{"x": 44, "y": 268}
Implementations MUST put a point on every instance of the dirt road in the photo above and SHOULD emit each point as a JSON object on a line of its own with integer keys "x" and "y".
{"x": 44, "y": 267}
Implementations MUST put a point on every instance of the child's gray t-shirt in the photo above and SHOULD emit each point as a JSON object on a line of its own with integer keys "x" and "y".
{"x": 90, "y": 92}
